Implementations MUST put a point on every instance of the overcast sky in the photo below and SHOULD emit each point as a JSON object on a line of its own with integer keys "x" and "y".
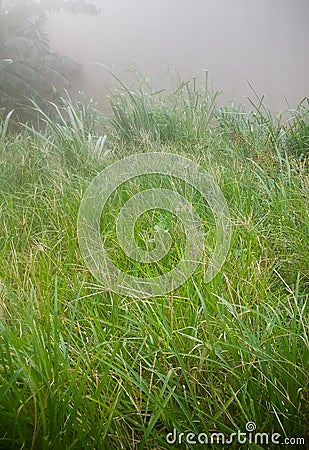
{"x": 263, "y": 41}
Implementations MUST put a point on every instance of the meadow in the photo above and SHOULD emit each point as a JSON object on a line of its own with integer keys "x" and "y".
{"x": 84, "y": 368}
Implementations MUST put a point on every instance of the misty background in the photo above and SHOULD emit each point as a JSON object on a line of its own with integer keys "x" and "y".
{"x": 264, "y": 42}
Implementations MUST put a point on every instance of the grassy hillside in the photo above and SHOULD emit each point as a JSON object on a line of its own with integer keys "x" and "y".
{"x": 81, "y": 367}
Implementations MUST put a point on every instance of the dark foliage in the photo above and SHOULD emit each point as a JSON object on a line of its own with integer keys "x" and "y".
{"x": 28, "y": 68}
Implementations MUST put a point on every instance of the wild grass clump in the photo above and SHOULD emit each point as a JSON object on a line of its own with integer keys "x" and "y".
{"x": 73, "y": 130}
{"x": 188, "y": 116}
{"x": 81, "y": 367}
{"x": 297, "y": 140}
{"x": 259, "y": 130}
{"x": 141, "y": 115}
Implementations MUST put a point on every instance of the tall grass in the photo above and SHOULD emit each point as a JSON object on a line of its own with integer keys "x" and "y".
{"x": 141, "y": 115}
{"x": 81, "y": 367}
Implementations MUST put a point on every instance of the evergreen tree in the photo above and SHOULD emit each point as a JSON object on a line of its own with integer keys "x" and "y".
{"x": 28, "y": 68}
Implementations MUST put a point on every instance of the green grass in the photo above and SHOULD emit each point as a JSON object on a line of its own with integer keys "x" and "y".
{"x": 81, "y": 367}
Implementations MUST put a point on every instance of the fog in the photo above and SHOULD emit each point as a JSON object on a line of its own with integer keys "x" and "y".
{"x": 264, "y": 42}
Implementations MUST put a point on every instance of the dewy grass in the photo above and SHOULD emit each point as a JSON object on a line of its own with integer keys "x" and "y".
{"x": 81, "y": 367}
